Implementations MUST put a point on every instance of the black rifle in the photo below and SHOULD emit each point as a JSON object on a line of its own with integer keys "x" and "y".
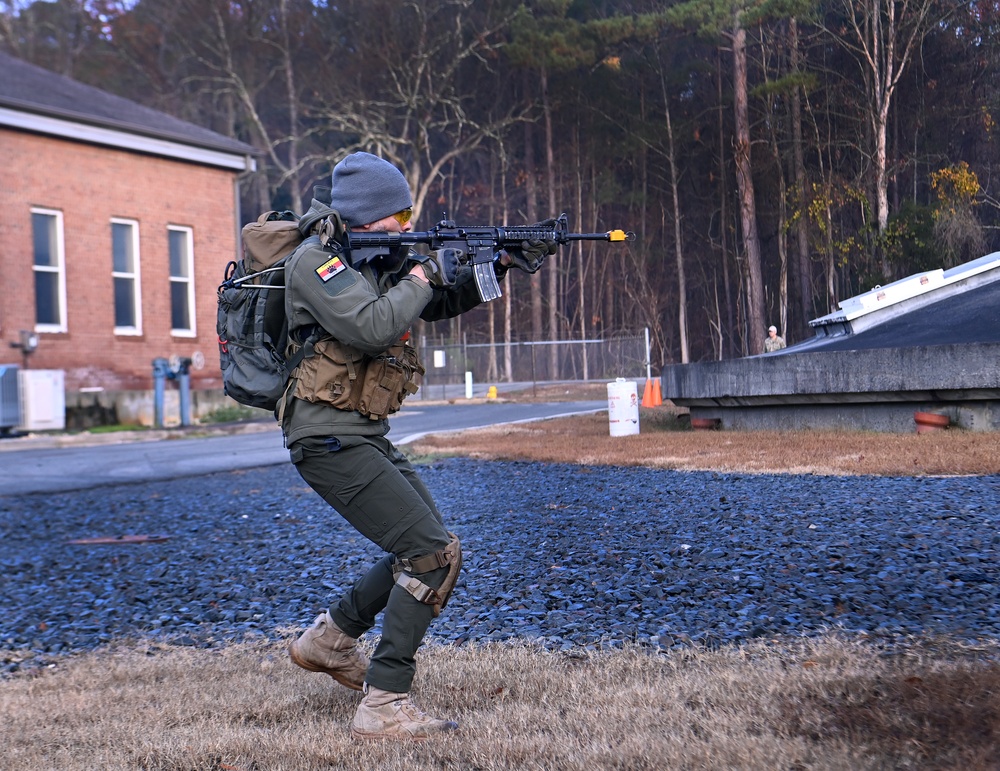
{"x": 479, "y": 244}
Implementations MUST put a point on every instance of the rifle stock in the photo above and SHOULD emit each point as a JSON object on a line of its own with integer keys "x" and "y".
{"x": 479, "y": 244}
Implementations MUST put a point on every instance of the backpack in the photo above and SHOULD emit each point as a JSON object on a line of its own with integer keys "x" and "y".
{"x": 252, "y": 326}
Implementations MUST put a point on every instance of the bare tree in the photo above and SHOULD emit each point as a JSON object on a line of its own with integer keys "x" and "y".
{"x": 744, "y": 182}
{"x": 729, "y": 19}
{"x": 65, "y": 36}
{"x": 776, "y": 92}
{"x": 682, "y": 315}
{"x": 882, "y": 37}
{"x": 802, "y": 263}
{"x": 405, "y": 92}
{"x": 244, "y": 57}
{"x": 531, "y": 212}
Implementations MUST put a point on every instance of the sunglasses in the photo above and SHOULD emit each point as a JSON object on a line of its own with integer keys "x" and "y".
{"x": 402, "y": 217}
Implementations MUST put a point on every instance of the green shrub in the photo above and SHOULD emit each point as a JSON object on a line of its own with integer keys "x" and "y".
{"x": 233, "y": 413}
{"x": 113, "y": 428}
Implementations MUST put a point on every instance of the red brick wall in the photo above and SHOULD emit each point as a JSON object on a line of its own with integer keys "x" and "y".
{"x": 90, "y": 185}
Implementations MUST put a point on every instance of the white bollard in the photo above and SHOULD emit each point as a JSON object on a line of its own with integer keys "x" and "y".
{"x": 623, "y": 407}
{"x": 468, "y": 385}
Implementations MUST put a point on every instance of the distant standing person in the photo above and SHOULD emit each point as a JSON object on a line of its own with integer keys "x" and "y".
{"x": 774, "y": 342}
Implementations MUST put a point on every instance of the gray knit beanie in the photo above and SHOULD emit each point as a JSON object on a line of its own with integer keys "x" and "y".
{"x": 367, "y": 188}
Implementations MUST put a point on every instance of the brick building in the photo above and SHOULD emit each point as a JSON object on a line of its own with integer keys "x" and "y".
{"x": 118, "y": 221}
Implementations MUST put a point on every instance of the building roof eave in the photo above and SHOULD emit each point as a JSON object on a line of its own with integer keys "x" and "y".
{"x": 126, "y": 137}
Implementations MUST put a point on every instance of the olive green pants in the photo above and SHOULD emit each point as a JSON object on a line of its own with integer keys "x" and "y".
{"x": 372, "y": 485}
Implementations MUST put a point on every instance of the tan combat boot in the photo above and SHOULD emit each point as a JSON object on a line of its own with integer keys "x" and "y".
{"x": 387, "y": 715}
{"x": 323, "y": 647}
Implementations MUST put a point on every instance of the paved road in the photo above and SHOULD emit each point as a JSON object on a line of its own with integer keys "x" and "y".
{"x": 57, "y": 469}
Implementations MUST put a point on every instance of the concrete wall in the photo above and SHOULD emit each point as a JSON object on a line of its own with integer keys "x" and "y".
{"x": 876, "y": 390}
{"x": 136, "y": 408}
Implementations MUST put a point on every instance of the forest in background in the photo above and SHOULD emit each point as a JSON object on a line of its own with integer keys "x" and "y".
{"x": 773, "y": 157}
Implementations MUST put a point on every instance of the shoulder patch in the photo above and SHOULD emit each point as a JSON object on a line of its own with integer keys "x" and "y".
{"x": 330, "y": 268}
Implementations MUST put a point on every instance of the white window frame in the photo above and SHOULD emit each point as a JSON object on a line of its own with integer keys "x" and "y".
{"x": 189, "y": 280}
{"x": 59, "y": 269}
{"x": 134, "y": 276}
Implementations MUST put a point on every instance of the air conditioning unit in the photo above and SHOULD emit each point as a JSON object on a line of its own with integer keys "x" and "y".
{"x": 10, "y": 398}
{"x": 43, "y": 399}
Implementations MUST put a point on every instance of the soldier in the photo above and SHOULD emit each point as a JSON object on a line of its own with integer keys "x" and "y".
{"x": 354, "y": 320}
{"x": 774, "y": 341}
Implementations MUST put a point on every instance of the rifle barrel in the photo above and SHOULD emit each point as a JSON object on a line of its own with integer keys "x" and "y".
{"x": 387, "y": 239}
{"x": 611, "y": 235}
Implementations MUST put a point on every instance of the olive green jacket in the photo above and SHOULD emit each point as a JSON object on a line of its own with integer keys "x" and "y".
{"x": 363, "y": 308}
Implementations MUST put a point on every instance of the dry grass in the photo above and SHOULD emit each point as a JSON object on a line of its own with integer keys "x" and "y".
{"x": 663, "y": 442}
{"x": 825, "y": 704}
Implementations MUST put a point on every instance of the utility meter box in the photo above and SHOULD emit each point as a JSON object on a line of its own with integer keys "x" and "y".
{"x": 43, "y": 399}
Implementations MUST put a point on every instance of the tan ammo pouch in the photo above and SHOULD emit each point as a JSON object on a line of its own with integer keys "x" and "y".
{"x": 347, "y": 379}
{"x": 330, "y": 375}
{"x": 389, "y": 379}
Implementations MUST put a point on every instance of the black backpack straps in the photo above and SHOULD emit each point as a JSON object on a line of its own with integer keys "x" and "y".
{"x": 307, "y": 349}
{"x": 299, "y": 355}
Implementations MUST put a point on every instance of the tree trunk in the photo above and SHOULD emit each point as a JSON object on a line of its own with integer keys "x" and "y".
{"x": 682, "y": 319}
{"x": 508, "y": 294}
{"x": 803, "y": 263}
{"x": 748, "y": 209}
{"x": 293, "y": 113}
{"x": 726, "y": 350}
{"x": 581, "y": 272}
{"x": 531, "y": 213}
{"x": 831, "y": 265}
{"x": 880, "y": 128}
{"x": 598, "y": 287}
{"x": 492, "y": 373}
{"x": 774, "y": 122}
{"x": 552, "y": 269}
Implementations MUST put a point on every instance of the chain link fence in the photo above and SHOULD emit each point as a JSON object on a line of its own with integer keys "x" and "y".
{"x": 536, "y": 362}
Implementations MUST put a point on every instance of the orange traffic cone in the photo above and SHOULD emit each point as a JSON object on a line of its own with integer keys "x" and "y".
{"x": 651, "y": 394}
{"x": 647, "y": 394}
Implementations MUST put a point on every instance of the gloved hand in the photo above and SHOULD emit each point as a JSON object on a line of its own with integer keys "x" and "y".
{"x": 530, "y": 255}
{"x": 440, "y": 266}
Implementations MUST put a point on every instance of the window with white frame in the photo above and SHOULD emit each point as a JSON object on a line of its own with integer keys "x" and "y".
{"x": 125, "y": 276}
{"x": 50, "y": 270}
{"x": 181, "y": 281}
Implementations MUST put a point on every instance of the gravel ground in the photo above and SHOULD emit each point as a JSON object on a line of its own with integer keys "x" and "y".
{"x": 564, "y": 555}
